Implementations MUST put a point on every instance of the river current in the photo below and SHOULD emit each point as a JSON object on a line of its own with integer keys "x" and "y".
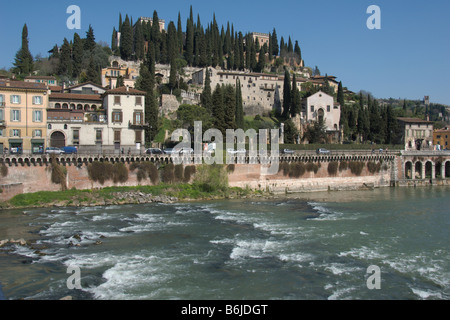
{"x": 298, "y": 247}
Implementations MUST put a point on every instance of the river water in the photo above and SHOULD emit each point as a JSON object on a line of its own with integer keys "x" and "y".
{"x": 305, "y": 246}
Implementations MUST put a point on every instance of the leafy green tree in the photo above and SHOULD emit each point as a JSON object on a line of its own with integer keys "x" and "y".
{"x": 93, "y": 74}
{"x": 290, "y": 132}
{"x": 230, "y": 107}
{"x": 24, "y": 60}
{"x": 316, "y": 133}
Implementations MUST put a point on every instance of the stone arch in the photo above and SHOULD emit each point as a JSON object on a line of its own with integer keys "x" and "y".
{"x": 320, "y": 115}
{"x": 65, "y": 106}
{"x": 447, "y": 169}
{"x": 428, "y": 169}
{"x": 418, "y": 170}
{"x": 438, "y": 170}
{"x": 57, "y": 139}
{"x": 408, "y": 170}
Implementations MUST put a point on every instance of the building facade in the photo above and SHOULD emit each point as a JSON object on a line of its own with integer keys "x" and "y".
{"x": 23, "y": 116}
{"x": 441, "y": 139}
{"x": 321, "y": 107}
{"x": 416, "y": 134}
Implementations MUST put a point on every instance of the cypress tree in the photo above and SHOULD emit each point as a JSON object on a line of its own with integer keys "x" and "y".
{"x": 206, "y": 98}
{"x": 229, "y": 107}
{"x": 239, "y": 107}
{"x": 298, "y": 53}
{"x": 93, "y": 75}
{"x": 24, "y": 60}
{"x": 286, "y": 94}
{"x": 275, "y": 45}
{"x": 114, "y": 41}
{"x": 139, "y": 41}
{"x": 218, "y": 109}
{"x": 77, "y": 55}
{"x": 65, "y": 61}
{"x": 89, "y": 42}
{"x": 180, "y": 35}
{"x": 189, "y": 53}
{"x": 296, "y": 103}
{"x": 126, "y": 40}
{"x": 156, "y": 36}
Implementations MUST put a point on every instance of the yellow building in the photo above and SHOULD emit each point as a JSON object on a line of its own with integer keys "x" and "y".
{"x": 441, "y": 137}
{"x": 23, "y": 116}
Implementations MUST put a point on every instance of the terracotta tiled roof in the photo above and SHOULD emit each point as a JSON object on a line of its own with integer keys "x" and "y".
{"x": 414, "y": 120}
{"x": 126, "y": 90}
{"x": 41, "y": 77}
{"x": 74, "y": 96}
{"x": 5, "y": 83}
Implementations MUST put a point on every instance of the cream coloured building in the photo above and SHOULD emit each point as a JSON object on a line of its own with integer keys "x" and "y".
{"x": 321, "y": 106}
{"x": 23, "y": 116}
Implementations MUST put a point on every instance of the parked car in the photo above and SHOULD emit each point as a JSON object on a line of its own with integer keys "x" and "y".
{"x": 154, "y": 151}
{"x": 240, "y": 152}
{"x": 288, "y": 151}
{"x": 322, "y": 151}
{"x": 169, "y": 151}
{"x": 186, "y": 151}
{"x": 53, "y": 150}
{"x": 69, "y": 150}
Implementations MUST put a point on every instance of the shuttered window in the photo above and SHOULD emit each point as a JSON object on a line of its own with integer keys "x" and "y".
{"x": 117, "y": 136}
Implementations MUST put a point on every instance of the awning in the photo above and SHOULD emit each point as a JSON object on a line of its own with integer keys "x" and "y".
{"x": 15, "y": 140}
{"x": 37, "y": 140}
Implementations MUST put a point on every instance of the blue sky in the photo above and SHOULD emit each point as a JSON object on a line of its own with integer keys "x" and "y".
{"x": 407, "y": 58}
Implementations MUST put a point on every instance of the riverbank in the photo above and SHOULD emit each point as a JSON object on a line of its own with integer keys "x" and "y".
{"x": 163, "y": 193}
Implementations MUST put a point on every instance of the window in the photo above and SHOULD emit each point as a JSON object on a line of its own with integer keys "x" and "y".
{"x": 37, "y": 116}
{"x": 37, "y": 133}
{"x": 37, "y": 100}
{"x": 98, "y": 135}
{"x": 328, "y": 108}
{"x": 15, "y": 99}
{"x": 2, "y": 100}
{"x": 117, "y": 100}
{"x": 1, "y": 132}
{"x": 137, "y": 118}
{"x": 2, "y": 117}
{"x": 76, "y": 135}
{"x": 312, "y": 108}
{"x": 117, "y": 136}
{"x": 15, "y": 133}
{"x": 15, "y": 115}
{"x": 117, "y": 116}
{"x": 138, "y": 136}
{"x": 139, "y": 101}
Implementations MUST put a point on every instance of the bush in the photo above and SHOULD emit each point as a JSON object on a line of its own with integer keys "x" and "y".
{"x": 356, "y": 167}
{"x": 179, "y": 172}
{"x": 168, "y": 174}
{"x": 297, "y": 169}
{"x": 211, "y": 178}
{"x": 59, "y": 173}
{"x": 310, "y": 167}
{"x": 188, "y": 172}
{"x": 333, "y": 168}
{"x": 374, "y": 167}
{"x": 119, "y": 173}
{"x": 231, "y": 168}
{"x": 3, "y": 170}
{"x": 343, "y": 166}
{"x": 284, "y": 166}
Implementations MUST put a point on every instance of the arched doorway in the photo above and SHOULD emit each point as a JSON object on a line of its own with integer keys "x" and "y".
{"x": 428, "y": 169}
{"x": 447, "y": 169}
{"x": 418, "y": 169}
{"x": 438, "y": 170}
{"x": 57, "y": 139}
{"x": 408, "y": 170}
{"x": 320, "y": 115}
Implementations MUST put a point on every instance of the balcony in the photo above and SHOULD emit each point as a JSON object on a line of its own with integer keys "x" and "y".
{"x": 137, "y": 126}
